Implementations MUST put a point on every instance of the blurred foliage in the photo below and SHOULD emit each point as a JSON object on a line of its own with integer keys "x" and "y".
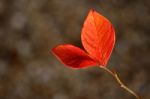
{"x": 30, "y": 28}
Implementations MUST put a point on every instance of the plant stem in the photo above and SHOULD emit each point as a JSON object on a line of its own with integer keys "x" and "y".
{"x": 122, "y": 85}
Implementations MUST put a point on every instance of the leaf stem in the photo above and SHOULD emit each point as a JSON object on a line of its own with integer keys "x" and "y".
{"x": 122, "y": 85}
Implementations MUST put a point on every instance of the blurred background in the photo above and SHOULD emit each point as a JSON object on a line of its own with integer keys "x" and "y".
{"x": 30, "y": 28}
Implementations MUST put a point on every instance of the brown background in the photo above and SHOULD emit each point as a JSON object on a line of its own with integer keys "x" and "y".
{"x": 30, "y": 28}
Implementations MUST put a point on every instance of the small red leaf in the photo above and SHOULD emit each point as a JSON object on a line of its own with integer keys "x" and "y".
{"x": 98, "y": 37}
{"x": 73, "y": 56}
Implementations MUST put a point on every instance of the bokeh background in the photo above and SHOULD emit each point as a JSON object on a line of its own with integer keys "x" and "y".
{"x": 30, "y": 28}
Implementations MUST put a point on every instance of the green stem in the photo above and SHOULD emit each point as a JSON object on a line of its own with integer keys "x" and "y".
{"x": 122, "y": 85}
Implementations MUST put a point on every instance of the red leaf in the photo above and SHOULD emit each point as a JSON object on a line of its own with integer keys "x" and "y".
{"x": 73, "y": 56}
{"x": 98, "y": 37}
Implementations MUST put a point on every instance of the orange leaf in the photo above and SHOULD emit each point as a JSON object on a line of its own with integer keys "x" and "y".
{"x": 98, "y": 37}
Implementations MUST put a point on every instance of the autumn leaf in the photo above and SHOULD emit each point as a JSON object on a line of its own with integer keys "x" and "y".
{"x": 73, "y": 56}
{"x": 98, "y": 39}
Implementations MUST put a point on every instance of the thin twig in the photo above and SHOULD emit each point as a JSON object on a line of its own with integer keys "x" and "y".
{"x": 122, "y": 85}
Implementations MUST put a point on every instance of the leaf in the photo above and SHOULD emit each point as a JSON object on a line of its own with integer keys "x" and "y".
{"x": 73, "y": 56}
{"x": 98, "y": 37}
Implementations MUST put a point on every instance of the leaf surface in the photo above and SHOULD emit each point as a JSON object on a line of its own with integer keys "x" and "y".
{"x": 73, "y": 56}
{"x": 98, "y": 37}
